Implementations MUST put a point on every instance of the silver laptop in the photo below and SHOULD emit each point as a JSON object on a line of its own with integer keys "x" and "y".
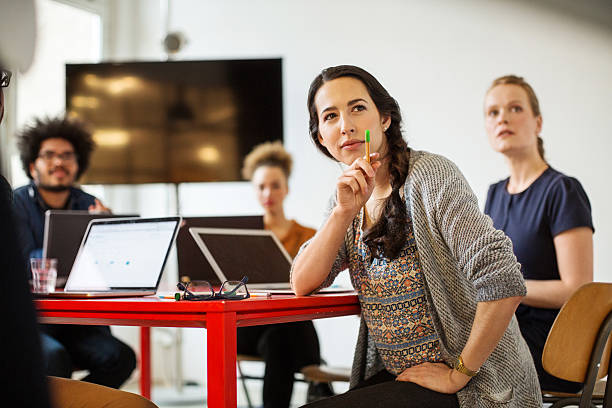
{"x": 121, "y": 257}
{"x": 233, "y": 253}
{"x": 64, "y": 231}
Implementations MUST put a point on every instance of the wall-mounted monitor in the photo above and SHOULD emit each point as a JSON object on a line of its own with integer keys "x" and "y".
{"x": 175, "y": 122}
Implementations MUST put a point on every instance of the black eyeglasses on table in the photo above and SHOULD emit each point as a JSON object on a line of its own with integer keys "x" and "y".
{"x": 203, "y": 290}
{"x": 5, "y": 78}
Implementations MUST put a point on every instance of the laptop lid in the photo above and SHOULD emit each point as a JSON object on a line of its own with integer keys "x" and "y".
{"x": 233, "y": 253}
{"x": 123, "y": 254}
{"x": 191, "y": 261}
{"x": 64, "y": 231}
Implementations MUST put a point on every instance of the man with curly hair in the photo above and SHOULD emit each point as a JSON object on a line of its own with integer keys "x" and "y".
{"x": 54, "y": 153}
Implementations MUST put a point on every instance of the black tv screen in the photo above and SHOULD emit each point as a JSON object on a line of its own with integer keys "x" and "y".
{"x": 175, "y": 122}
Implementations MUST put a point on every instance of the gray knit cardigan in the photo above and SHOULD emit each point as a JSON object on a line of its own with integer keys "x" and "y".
{"x": 464, "y": 260}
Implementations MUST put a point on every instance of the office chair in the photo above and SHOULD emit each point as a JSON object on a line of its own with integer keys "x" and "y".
{"x": 578, "y": 347}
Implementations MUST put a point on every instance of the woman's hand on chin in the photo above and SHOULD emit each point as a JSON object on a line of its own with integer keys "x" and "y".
{"x": 356, "y": 183}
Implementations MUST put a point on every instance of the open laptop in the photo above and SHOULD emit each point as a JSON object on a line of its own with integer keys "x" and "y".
{"x": 258, "y": 254}
{"x": 121, "y": 257}
{"x": 233, "y": 253}
{"x": 64, "y": 231}
{"x": 192, "y": 263}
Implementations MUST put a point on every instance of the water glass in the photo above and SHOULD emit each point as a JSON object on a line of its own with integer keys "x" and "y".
{"x": 44, "y": 274}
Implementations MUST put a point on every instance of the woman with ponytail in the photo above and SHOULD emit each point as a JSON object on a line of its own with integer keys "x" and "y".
{"x": 546, "y": 214}
{"x": 438, "y": 285}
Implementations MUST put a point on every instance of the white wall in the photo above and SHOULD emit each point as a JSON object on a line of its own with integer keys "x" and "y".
{"x": 437, "y": 58}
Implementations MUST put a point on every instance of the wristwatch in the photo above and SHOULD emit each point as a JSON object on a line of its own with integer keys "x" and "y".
{"x": 463, "y": 369}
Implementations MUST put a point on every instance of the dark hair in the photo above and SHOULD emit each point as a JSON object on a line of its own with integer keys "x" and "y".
{"x": 31, "y": 137}
{"x": 389, "y": 233}
{"x": 531, "y": 96}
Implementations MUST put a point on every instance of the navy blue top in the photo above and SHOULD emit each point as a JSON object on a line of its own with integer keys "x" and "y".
{"x": 30, "y": 211}
{"x": 552, "y": 204}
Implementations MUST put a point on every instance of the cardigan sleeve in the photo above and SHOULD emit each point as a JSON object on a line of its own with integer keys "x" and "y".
{"x": 341, "y": 262}
{"x": 481, "y": 252}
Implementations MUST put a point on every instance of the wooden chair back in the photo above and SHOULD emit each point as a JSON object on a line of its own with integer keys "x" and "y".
{"x": 569, "y": 345}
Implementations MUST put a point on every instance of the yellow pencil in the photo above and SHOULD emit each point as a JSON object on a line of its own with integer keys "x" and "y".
{"x": 260, "y": 294}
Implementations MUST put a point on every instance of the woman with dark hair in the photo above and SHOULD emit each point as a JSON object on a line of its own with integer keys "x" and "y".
{"x": 438, "y": 285}
{"x": 546, "y": 214}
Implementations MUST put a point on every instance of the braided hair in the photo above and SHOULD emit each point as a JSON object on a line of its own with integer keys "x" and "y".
{"x": 388, "y": 235}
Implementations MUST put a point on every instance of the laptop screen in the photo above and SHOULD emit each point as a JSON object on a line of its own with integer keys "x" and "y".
{"x": 254, "y": 253}
{"x": 123, "y": 254}
{"x": 191, "y": 261}
{"x": 64, "y": 231}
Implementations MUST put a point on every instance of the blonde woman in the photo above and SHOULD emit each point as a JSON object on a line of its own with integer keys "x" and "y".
{"x": 546, "y": 214}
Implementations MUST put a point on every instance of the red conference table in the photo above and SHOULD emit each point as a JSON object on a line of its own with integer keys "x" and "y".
{"x": 219, "y": 317}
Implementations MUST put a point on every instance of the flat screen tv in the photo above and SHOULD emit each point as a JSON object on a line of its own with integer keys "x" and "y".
{"x": 175, "y": 122}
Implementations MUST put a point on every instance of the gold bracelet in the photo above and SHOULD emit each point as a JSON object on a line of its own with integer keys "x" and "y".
{"x": 459, "y": 366}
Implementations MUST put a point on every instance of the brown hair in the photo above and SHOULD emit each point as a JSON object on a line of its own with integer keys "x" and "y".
{"x": 267, "y": 154}
{"x": 389, "y": 233}
{"x": 531, "y": 96}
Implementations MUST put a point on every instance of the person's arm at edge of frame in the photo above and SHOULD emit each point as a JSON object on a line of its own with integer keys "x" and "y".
{"x": 574, "y": 250}
{"x": 23, "y": 379}
{"x": 314, "y": 263}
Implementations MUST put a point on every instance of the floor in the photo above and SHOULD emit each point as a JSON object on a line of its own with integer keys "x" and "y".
{"x": 192, "y": 396}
